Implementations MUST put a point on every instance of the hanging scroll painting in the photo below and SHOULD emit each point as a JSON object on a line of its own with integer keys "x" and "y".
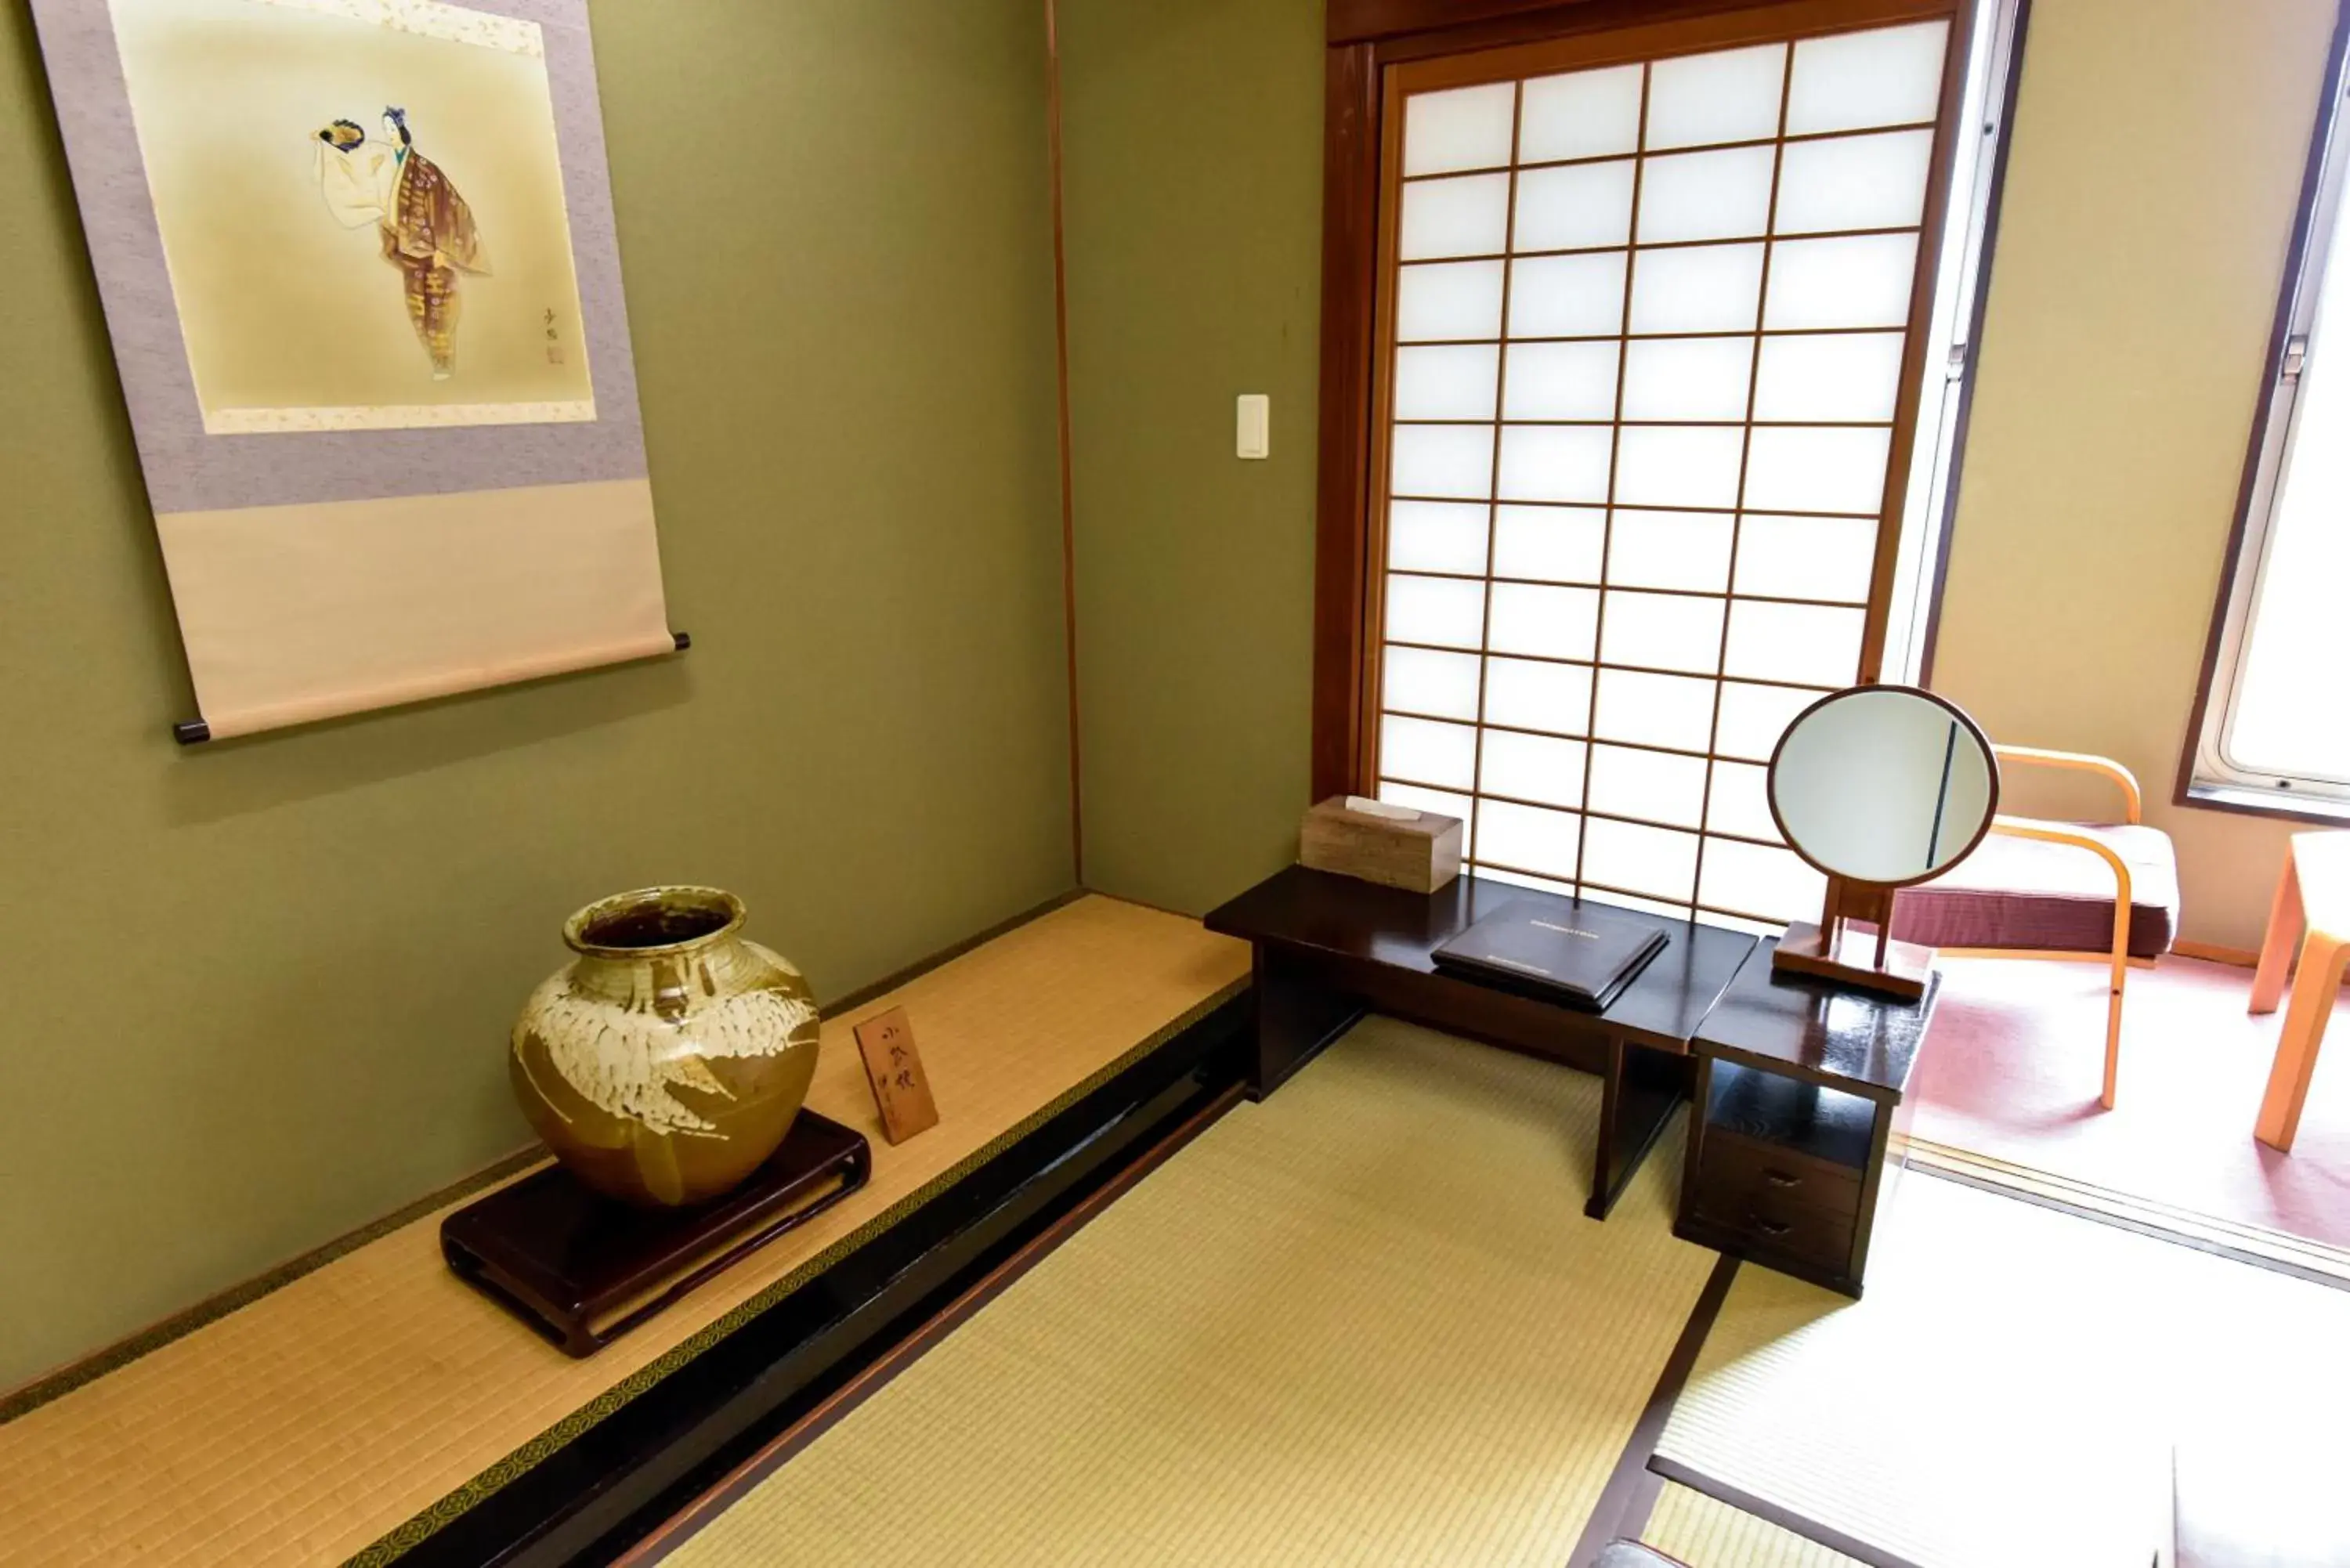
{"x": 358, "y": 267}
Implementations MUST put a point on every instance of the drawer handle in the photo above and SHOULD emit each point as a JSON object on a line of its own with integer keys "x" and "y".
{"x": 1771, "y": 1228}
{"x": 1781, "y": 1178}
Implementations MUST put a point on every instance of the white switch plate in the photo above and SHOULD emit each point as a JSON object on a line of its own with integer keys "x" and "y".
{"x": 1254, "y": 436}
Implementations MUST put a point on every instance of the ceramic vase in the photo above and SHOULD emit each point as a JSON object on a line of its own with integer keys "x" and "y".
{"x": 666, "y": 1061}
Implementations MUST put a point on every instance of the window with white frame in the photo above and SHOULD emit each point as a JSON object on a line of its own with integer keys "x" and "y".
{"x": 2271, "y": 730}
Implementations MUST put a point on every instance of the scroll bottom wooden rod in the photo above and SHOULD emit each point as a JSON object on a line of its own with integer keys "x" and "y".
{"x": 195, "y": 731}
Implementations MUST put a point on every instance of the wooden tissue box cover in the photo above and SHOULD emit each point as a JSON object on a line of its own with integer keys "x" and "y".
{"x": 1421, "y": 854}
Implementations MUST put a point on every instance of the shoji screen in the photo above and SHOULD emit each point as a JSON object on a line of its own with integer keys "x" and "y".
{"x": 1643, "y": 354}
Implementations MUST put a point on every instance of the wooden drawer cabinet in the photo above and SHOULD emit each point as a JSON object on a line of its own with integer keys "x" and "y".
{"x": 1738, "y": 1171}
{"x": 1799, "y": 1122}
{"x": 1771, "y": 1228}
{"x": 1775, "y": 1200}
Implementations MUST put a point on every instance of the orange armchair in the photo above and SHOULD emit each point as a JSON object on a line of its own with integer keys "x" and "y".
{"x": 2097, "y": 892}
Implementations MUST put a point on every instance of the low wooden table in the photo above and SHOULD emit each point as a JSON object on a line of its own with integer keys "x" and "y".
{"x": 2312, "y": 913}
{"x": 1329, "y": 949}
{"x": 1802, "y": 1120}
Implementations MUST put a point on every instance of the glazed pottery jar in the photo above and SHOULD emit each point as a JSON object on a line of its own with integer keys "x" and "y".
{"x": 668, "y": 1060}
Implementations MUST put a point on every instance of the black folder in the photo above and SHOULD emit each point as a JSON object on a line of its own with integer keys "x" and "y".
{"x": 1583, "y": 955}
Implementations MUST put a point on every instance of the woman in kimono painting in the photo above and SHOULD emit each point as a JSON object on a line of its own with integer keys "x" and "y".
{"x": 428, "y": 230}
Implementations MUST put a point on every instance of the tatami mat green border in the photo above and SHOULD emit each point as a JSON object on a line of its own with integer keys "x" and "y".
{"x": 2263, "y": 1247}
{"x": 31, "y": 1397}
{"x": 1706, "y": 1532}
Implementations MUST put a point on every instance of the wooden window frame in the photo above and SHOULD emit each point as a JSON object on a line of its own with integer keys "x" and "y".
{"x": 1366, "y": 38}
{"x": 2263, "y": 464}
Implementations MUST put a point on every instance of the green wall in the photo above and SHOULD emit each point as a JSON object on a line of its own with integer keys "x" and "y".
{"x": 257, "y": 992}
{"x": 1193, "y": 170}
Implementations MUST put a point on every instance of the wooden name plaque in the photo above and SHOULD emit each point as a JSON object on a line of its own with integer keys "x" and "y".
{"x": 900, "y": 1088}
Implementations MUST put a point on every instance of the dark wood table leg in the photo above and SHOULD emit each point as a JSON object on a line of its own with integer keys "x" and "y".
{"x": 1297, "y": 1015}
{"x": 1889, "y": 1155}
{"x": 1642, "y": 1086}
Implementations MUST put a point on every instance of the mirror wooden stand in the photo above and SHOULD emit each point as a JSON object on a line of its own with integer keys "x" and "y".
{"x": 1877, "y": 787}
{"x": 1833, "y": 949}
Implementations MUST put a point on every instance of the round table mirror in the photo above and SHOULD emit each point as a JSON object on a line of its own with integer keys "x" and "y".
{"x": 1883, "y": 784}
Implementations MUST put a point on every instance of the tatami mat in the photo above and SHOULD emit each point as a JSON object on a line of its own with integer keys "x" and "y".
{"x": 350, "y": 1411}
{"x": 1704, "y": 1533}
{"x": 2008, "y": 1394}
{"x": 1363, "y": 1322}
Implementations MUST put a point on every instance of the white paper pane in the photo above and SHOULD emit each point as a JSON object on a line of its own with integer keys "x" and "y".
{"x": 1421, "y": 680}
{"x": 1740, "y": 923}
{"x": 1555, "y": 623}
{"x": 1441, "y": 611}
{"x": 1806, "y": 557}
{"x": 1451, "y": 299}
{"x": 1754, "y": 717}
{"x": 1427, "y": 752}
{"x": 1688, "y": 378}
{"x": 1567, "y": 296}
{"x": 1792, "y": 642}
{"x": 1453, "y": 381}
{"x": 1555, "y": 544}
{"x": 1758, "y": 881}
{"x": 1854, "y": 182}
{"x": 1561, "y": 381}
{"x": 1833, "y": 376}
{"x": 1654, "y": 710}
{"x": 1468, "y": 215}
{"x": 1724, "y": 195}
{"x": 1584, "y": 114}
{"x": 1442, "y": 460}
{"x": 1575, "y": 207}
{"x": 1555, "y": 463}
{"x": 1467, "y": 128}
{"x": 1654, "y": 786}
{"x": 1671, "y": 909}
{"x": 1662, "y": 631}
{"x": 1732, "y": 94}
{"x": 1521, "y": 879}
{"x": 1708, "y": 288}
{"x": 1538, "y": 696}
{"x": 1738, "y": 803}
{"x": 1657, "y": 861}
{"x": 1436, "y": 536}
{"x": 1678, "y": 465}
{"x": 1533, "y": 767}
{"x": 1886, "y": 76}
{"x": 1459, "y": 807}
{"x": 1528, "y": 837}
{"x": 1862, "y": 281}
{"x": 1796, "y": 467}
{"x": 1669, "y": 550}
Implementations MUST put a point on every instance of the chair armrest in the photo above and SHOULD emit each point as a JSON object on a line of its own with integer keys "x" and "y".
{"x": 2077, "y": 761}
{"x": 2058, "y": 833}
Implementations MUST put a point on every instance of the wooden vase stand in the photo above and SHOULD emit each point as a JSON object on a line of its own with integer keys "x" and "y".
{"x": 583, "y": 1269}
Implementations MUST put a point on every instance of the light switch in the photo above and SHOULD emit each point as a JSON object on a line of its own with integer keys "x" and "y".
{"x": 1254, "y": 437}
